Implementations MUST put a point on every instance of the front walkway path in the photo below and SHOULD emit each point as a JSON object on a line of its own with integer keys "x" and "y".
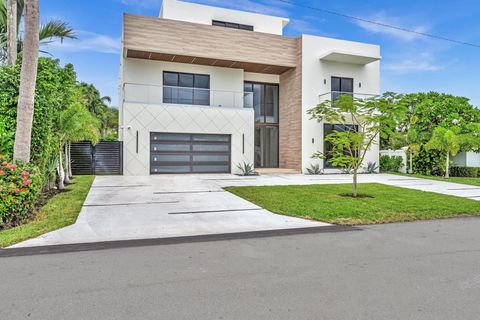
{"x": 126, "y": 208}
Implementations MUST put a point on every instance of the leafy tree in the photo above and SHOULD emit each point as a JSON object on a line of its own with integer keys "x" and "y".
{"x": 51, "y": 30}
{"x": 368, "y": 119}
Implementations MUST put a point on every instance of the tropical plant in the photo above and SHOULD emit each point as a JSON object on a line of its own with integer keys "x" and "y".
{"x": 246, "y": 169}
{"x": 48, "y": 32}
{"x": 28, "y": 78}
{"x": 315, "y": 169}
{"x": 368, "y": 119}
{"x": 446, "y": 141}
{"x": 76, "y": 123}
{"x": 371, "y": 167}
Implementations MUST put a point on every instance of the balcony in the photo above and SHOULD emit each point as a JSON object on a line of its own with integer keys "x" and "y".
{"x": 158, "y": 94}
{"x": 333, "y": 95}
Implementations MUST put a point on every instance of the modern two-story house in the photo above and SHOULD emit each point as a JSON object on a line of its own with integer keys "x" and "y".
{"x": 203, "y": 89}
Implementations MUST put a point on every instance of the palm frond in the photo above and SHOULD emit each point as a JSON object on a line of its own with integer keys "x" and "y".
{"x": 56, "y": 29}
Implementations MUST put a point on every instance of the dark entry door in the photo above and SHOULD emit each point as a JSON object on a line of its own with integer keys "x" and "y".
{"x": 265, "y": 104}
{"x": 189, "y": 153}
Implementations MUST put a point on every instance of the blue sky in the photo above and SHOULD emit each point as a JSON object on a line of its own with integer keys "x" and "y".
{"x": 411, "y": 63}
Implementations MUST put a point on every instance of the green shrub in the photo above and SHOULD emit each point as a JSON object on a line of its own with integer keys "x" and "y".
{"x": 391, "y": 164}
{"x": 429, "y": 163}
{"x": 20, "y": 185}
{"x": 471, "y": 172}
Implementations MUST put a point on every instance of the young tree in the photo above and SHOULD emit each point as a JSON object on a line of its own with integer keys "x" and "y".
{"x": 452, "y": 140}
{"x": 447, "y": 141}
{"x": 76, "y": 123}
{"x": 22, "y": 146}
{"x": 11, "y": 32}
{"x": 365, "y": 119}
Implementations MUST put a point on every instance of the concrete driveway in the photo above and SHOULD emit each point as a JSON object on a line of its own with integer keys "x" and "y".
{"x": 127, "y": 208}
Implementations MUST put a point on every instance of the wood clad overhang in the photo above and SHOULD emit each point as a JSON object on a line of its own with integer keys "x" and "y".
{"x": 185, "y": 42}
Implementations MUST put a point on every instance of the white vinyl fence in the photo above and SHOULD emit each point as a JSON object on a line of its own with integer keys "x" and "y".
{"x": 400, "y": 153}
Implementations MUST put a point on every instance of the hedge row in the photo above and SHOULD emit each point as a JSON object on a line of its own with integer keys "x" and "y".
{"x": 471, "y": 172}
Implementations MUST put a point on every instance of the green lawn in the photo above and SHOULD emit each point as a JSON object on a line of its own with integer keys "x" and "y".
{"x": 60, "y": 211}
{"x": 325, "y": 203}
{"x": 469, "y": 181}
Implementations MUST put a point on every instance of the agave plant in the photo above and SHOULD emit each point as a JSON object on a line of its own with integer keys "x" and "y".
{"x": 247, "y": 169}
{"x": 315, "y": 169}
{"x": 371, "y": 167}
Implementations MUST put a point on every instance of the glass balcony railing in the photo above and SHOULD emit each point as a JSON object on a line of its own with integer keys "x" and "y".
{"x": 333, "y": 95}
{"x": 158, "y": 94}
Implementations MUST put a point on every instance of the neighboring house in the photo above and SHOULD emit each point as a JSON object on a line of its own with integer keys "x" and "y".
{"x": 467, "y": 159}
{"x": 204, "y": 89}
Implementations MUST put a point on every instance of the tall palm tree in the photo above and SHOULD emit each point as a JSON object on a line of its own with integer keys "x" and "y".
{"x": 11, "y": 32}
{"x": 28, "y": 79}
{"x": 48, "y": 32}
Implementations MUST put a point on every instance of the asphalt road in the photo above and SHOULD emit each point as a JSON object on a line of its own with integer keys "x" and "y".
{"x": 423, "y": 270}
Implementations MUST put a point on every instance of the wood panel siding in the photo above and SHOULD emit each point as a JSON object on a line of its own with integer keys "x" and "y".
{"x": 185, "y": 42}
{"x": 290, "y": 114}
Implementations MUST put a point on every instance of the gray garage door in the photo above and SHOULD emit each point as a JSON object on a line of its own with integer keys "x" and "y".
{"x": 189, "y": 153}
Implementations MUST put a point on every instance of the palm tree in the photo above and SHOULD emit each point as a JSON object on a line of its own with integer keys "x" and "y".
{"x": 76, "y": 123}
{"x": 48, "y": 32}
{"x": 11, "y": 32}
{"x": 28, "y": 78}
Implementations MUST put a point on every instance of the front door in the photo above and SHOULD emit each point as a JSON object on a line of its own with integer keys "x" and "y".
{"x": 265, "y": 104}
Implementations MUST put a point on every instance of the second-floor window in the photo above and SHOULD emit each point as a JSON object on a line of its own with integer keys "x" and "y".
{"x": 341, "y": 86}
{"x": 186, "y": 88}
{"x": 231, "y": 25}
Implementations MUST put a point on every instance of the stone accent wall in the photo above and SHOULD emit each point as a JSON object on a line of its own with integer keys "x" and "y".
{"x": 290, "y": 114}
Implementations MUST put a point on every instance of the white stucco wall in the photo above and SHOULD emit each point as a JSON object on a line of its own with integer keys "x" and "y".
{"x": 146, "y": 118}
{"x": 469, "y": 159}
{"x": 316, "y": 80}
{"x": 202, "y": 14}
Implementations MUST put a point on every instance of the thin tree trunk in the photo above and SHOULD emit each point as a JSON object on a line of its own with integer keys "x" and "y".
{"x": 11, "y": 32}
{"x": 411, "y": 162}
{"x": 355, "y": 182}
{"x": 61, "y": 172}
{"x": 70, "y": 174}
{"x": 447, "y": 174}
{"x": 28, "y": 77}
{"x": 66, "y": 177}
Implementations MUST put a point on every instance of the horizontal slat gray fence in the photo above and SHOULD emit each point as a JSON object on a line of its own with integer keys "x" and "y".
{"x": 105, "y": 158}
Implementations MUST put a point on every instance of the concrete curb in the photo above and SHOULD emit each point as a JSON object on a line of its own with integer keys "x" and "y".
{"x": 78, "y": 247}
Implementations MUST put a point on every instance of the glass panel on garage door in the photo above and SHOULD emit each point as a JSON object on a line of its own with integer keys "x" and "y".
{"x": 189, "y": 153}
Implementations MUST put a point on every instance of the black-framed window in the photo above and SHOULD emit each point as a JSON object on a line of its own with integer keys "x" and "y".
{"x": 186, "y": 88}
{"x": 341, "y": 86}
{"x": 264, "y": 98}
{"x": 329, "y": 128}
{"x": 232, "y": 25}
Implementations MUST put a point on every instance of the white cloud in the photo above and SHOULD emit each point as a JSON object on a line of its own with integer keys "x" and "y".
{"x": 88, "y": 41}
{"x": 305, "y": 26}
{"x": 381, "y": 17}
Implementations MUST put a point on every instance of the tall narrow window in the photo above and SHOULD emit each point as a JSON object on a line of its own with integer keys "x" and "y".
{"x": 328, "y": 129}
{"x": 341, "y": 86}
{"x": 186, "y": 88}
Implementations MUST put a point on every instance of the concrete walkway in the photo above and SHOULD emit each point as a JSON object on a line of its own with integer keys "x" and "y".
{"x": 126, "y": 208}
